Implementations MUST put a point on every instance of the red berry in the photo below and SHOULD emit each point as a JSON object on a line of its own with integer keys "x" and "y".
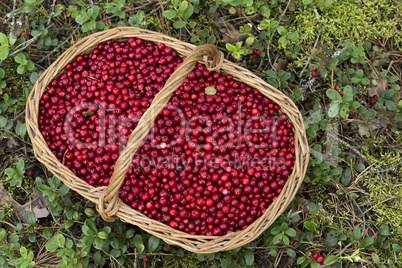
{"x": 315, "y": 255}
{"x": 257, "y": 52}
{"x": 295, "y": 243}
{"x": 106, "y": 22}
{"x": 30, "y": 172}
{"x": 146, "y": 259}
{"x": 320, "y": 259}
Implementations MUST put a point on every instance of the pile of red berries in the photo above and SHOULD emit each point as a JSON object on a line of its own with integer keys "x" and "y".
{"x": 217, "y": 156}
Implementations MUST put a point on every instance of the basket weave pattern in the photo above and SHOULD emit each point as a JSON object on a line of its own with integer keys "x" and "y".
{"x": 107, "y": 198}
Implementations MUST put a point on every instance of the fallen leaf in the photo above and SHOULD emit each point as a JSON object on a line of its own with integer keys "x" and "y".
{"x": 232, "y": 10}
{"x": 281, "y": 65}
{"x": 376, "y": 83}
{"x": 12, "y": 143}
{"x": 363, "y": 130}
{"x": 6, "y": 198}
{"x": 292, "y": 7}
{"x": 40, "y": 212}
{"x": 37, "y": 205}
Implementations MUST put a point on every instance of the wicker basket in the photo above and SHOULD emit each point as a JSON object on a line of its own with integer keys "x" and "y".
{"x": 107, "y": 199}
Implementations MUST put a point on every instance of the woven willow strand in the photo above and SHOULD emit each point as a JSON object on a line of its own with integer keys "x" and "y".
{"x": 113, "y": 207}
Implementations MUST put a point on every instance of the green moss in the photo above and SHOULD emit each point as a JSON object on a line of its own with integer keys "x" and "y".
{"x": 356, "y": 20}
{"x": 387, "y": 160}
{"x": 387, "y": 202}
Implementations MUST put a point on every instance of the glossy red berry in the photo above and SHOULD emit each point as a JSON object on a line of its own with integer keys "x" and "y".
{"x": 320, "y": 259}
{"x": 30, "y": 172}
{"x": 315, "y": 255}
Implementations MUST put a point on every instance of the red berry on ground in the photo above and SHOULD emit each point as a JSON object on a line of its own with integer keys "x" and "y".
{"x": 146, "y": 259}
{"x": 341, "y": 93}
{"x": 315, "y": 255}
{"x": 30, "y": 172}
{"x": 314, "y": 74}
{"x": 320, "y": 259}
{"x": 106, "y": 22}
{"x": 257, "y": 52}
{"x": 295, "y": 243}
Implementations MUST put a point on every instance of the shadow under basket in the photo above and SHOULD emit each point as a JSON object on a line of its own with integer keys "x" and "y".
{"x": 109, "y": 205}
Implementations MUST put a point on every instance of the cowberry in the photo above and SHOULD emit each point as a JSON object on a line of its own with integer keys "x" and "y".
{"x": 315, "y": 255}
{"x": 30, "y": 172}
{"x": 320, "y": 259}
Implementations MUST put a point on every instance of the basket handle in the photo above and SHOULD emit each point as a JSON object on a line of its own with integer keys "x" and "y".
{"x": 111, "y": 193}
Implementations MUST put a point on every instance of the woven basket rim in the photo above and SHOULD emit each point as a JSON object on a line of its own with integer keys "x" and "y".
{"x": 197, "y": 244}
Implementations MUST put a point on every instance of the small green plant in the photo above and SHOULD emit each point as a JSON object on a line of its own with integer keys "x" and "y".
{"x": 45, "y": 39}
{"x": 237, "y": 50}
{"x": 342, "y": 104}
{"x": 87, "y": 18}
{"x": 116, "y": 8}
{"x": 26, "y": 259}
{"x": 53, "y": 193}
{"x": 278, "y": 80}
{"x": 286, "y": 37}
{"x": 2, "y": 83}
{"x": 30, "y": 6}
{"x": 182, "y": 11}
{"x": 5, "y": 44}
{"x": 138, "y": 20}
{"x": 65, "y": 251}
{"x": 356, "y": 54}
{"x": 16, "y": 174}
{"x": 25, "y": 65}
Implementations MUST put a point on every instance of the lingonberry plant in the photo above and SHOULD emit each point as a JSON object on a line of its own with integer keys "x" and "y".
{"x": 218, "y": 154}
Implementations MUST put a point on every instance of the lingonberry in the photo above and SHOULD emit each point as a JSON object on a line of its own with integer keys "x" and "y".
{"x": 320, "y": 259}
{"x": 314, "y": 73}
{"x": 30, "y": 172}
{"x": 314, "y": 255}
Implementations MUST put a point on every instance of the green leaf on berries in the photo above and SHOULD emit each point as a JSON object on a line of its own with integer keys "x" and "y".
{"x": 210, "y": 91}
